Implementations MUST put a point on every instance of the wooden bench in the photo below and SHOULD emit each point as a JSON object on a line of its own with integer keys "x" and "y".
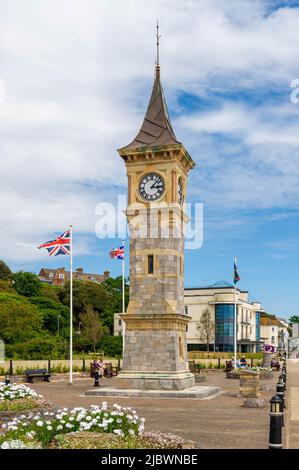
{"x": 110, "y": 370}
{"x": 194, "y": 368}
{"x": 35, "y": 373}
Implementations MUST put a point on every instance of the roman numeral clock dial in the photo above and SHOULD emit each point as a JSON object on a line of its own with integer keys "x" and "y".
{"x": 151, "y": 187}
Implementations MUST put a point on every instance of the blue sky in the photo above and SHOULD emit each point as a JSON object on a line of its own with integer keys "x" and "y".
{"x": 77, "y": 83}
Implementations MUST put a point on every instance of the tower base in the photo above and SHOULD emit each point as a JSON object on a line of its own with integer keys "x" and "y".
{"x": 156, "y": 380}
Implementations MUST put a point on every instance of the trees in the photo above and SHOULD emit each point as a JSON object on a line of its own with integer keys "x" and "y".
{"x": 84, "y": 293}
{"x": 114, "y": 302}
{"x": 27, "y": 284}
{"x": 294, "y": 319}
{"x": 5, "y": 272}
{"x": 92, "y": 328}
{"x": 205, "y": 327}
{"x": 30, "y": 312}
{"x": 52, "y": 314}
{"x": 19, "y": 320}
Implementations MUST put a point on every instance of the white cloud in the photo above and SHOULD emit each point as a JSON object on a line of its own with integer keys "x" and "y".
{"x": 77, "y": 79}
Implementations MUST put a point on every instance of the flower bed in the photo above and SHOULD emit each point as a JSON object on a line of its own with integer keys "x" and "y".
{"x": 261, "y": 369}
{"x": 120, "y": 421}
{"x": 15, "y": 392}
{"x": 265, "y": 372}
{"x": 80, "y": 428}
{"x": 146, "y": 440}
{"x": 17, "y": 398}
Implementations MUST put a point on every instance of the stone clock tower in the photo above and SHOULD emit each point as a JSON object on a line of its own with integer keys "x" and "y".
{"x": 155, "y": 352}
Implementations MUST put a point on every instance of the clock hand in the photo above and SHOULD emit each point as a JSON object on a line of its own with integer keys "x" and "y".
{"x": 154, "y": 185}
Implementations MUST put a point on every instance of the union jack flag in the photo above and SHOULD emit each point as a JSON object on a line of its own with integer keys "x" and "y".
{"x": 59, "y": 246}
{"x": 118, "y": 253}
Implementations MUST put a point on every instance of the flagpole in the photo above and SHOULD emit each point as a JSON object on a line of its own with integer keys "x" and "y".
{"x": 123, "y": 299}
{"x": 71, "y": 306}
{"x": 235, "y": 325}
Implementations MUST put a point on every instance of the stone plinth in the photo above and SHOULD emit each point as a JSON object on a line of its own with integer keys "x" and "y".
{"x": 249, "y": 384}
{"x": 155, "y": 356}
{"x": 200, "y": 392}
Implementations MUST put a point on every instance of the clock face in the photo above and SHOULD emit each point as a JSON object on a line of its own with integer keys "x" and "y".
{"x": 151, "y": 187}
{"x": 180, "y": 191}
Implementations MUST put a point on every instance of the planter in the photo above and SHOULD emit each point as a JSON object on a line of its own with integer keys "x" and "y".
{"x": 232, "y": 375}
{"x": 266, "y": 375}
{"x": 92, "y": 440}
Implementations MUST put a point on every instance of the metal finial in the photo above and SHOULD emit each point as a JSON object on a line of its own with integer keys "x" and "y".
{"x": 158, "y": 44}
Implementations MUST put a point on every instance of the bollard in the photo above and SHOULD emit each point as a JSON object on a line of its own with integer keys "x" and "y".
{"x": 280, "y": 393}
{"x": 251, "y": 362}
{"x": 96, "y": 379}
{"x": 284, "y": 378}
{"x": 219, "y": 363}
{"x": 275, "y": 433}
{"x": 281, "y": 381}
{"x": 10, "y": 367}
{"x": 7, "y": 380}
{"x": 49, "y": 366}
{"x": 83, "y": 365}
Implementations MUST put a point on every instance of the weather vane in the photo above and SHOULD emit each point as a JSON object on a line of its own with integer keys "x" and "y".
{"x": 158, "y": 44}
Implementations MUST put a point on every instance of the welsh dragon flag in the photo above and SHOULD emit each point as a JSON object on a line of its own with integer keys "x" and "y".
{"x": 236, "y": 274}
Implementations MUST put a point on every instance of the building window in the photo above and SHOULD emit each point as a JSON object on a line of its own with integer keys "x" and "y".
{"x": 273, "y": 340}
{"x": 186, "y": 307}
{"x": 119, "y": 333}
{"x": 119, "y": 322}
{"x": 224, "y": 327}
{"x": 150, "y": 264}
{"x": 51, "y": 274}
{"x": 60, "y": 276}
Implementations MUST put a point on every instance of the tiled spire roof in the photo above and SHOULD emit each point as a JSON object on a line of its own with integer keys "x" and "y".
{"x": 156, "y": 129}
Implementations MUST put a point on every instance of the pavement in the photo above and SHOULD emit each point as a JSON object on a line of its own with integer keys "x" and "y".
{"x": 216, "y": 423}
{"x": 292, "y": 404}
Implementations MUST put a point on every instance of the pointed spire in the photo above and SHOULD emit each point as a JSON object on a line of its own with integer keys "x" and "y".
{"x": 156, "y": 129}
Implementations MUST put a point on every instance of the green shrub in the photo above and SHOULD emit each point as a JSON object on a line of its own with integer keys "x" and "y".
{"x": 35, "y": 349}
{"x": 111, "y": 345}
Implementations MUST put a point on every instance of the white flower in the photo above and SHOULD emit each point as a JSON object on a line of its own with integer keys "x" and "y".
{"x": 39, "y": 424}
{"x": 49, "y": 428}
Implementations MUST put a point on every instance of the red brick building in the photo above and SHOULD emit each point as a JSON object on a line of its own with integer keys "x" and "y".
{"x": 59, "y": 276}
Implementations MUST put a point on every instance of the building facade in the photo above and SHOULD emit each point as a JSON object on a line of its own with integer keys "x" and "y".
{"x": 274, "y": 331}
{"x": 59, "y": 276}
{"x": 219, "y": 300}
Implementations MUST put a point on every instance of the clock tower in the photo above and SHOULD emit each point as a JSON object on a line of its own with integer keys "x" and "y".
{"x": 155, "y": 351}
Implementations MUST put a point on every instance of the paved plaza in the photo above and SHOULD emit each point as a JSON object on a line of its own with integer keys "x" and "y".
{"x": 292, "y": 438}
{"x": 220, "y": 422}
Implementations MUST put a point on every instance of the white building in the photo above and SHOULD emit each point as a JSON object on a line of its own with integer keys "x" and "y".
{"x": 219, "y": 299}
{"x": 274, "y": 331}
